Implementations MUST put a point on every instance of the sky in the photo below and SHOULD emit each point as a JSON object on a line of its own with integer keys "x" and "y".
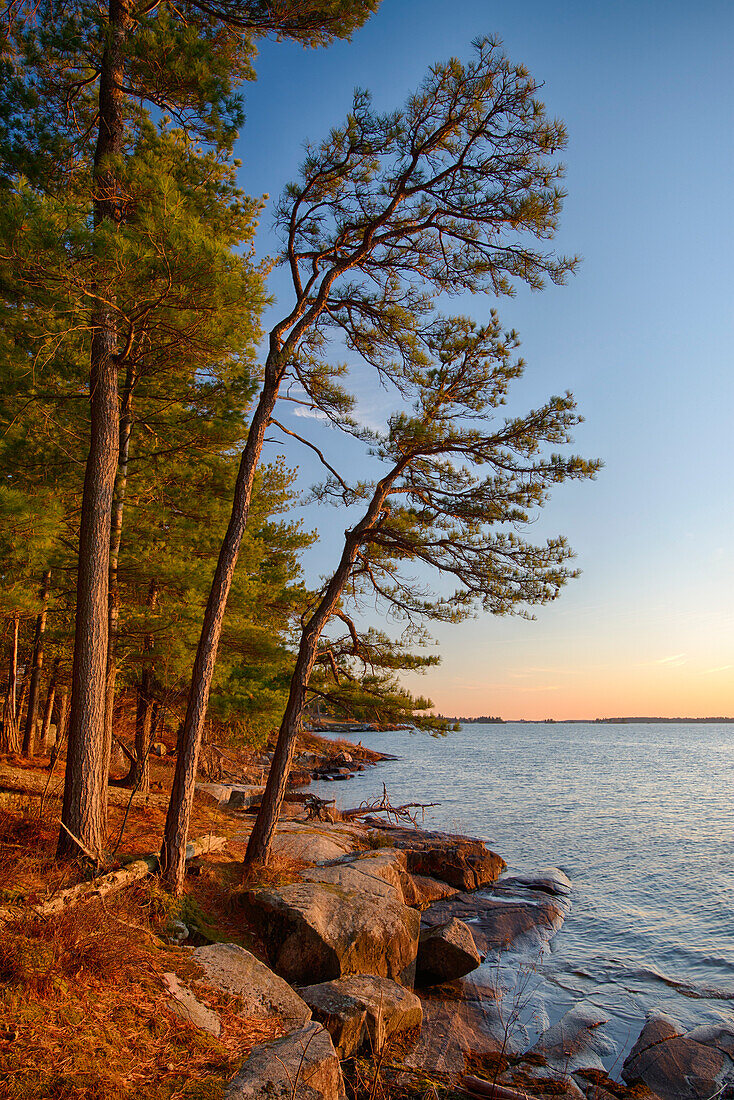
{"x": 642, "y": 334}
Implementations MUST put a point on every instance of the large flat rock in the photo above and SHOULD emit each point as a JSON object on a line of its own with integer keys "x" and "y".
{"x": 575, "y": 1043}
{"x": 377, "y": 873}
{"x": 502, "y": 923}
{"x": 234, "y": 970}
{"x": 301, "y": 1066}
{"x": 363, "y": 1011}
{"x": 678, "y": 1065}
{"x": 314, "y": 843}
{"x": 318, "y": 932}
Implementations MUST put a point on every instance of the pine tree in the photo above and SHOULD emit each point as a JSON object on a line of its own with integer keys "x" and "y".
{"x": 94, "y": 73}
{"x": 458, "y": 485}
{"x": 444, "y": 196}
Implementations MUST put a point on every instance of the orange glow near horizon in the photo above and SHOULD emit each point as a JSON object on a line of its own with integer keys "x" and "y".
{"x": 664, "y": 693}
{"x": 667, "y": 687}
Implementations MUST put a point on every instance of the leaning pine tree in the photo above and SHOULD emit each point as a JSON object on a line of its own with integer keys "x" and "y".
{"x": 459, "y": 483}
{"x": 443, "y": 196}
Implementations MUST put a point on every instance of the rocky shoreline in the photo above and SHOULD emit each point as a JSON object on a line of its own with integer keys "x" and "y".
{"x": 417, "y": 941}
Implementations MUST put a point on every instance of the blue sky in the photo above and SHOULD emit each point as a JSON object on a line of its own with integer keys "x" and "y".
{"x": 643, "y": 335}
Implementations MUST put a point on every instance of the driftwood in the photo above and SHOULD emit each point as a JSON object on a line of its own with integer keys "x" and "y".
{"x": 477, "y": 1086}
{"x": 116, "y": 880}
{"x": 384, "y": 806}
{"x": 319, "y": 808}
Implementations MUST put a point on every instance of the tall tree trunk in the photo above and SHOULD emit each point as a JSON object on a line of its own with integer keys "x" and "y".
{"x": 83, "y": 808}
{"x": 138, "y": 775}
{"x": 49, "y": 708}
{"x": 29, "y": 736}
{"x": 144, "y": 730}
{"x": 10, "y": 741}
{"x": 24, "y": 684}
{"x": 118, "y": 507}
{"x": 258, "y": 847}
{"x": 284, "y": 338}
{"x": 173, "y": 851}
{"x": 62, "y": 724}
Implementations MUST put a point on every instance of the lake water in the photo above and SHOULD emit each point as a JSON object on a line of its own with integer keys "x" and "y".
{"x": 639, "y": 817}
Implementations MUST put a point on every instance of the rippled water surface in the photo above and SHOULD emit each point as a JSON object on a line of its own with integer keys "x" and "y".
{"x": 638, "y": 816}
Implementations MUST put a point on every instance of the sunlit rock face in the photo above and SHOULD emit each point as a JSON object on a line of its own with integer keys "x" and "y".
{"x": 234, "y": 970}
{"x": 316, "y": 932}
{"x": 446, "y": 951}
{"x": 363, "y": 1012}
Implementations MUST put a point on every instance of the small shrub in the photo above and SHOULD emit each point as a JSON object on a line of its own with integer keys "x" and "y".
{"x": 377, "y": 839}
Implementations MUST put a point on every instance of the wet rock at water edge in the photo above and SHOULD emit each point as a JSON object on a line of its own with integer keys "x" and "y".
{"x": 678, "y": 1065}
{"x": 501, "y": 924}
{"x": 317, "y": 933}
{"x": 445, "y": 952}
{"x": 460, "y": 1018}
{"x": 550, "y": 880}
{"x": 575, "y": 1043}
{"x": 234, "y": 970}
{"x": 303, "y": 1064}
{"x": 363, "y": 1011}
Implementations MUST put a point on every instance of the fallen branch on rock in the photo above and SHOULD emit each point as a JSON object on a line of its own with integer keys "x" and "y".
{"x": 384, "y": 806}
{"x": 116, "y": 880}
{"x": 488, "y": 1090}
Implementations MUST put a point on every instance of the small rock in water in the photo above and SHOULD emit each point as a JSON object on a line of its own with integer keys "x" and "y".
{"x": 674, "y": 1065}
{"x": 550, "y": 880}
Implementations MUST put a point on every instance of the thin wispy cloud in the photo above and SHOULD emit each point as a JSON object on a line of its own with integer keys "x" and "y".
{"x": 309, "y": 414}
{"x": 675, "y": 661}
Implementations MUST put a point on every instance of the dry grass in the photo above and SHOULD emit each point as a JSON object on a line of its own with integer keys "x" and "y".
{"x": 83, "y": 1009}
{"x": 82, "y": 1002}
{"x": 279, "y": 871}
{"x": 83, "y": 1006}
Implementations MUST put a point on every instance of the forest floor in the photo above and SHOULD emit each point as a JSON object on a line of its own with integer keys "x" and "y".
{"x": 83, "y": 1002}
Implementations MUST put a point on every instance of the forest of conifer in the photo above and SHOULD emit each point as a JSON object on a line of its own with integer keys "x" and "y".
{"x": 151, "y": 563}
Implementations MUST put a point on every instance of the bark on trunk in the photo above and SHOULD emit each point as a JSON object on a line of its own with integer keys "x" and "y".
{"x": 83, "y": 809}
{"x": 29, "y": 735}
{"x": 61, "y": 728}
{"x": 23, "y": 695}
{"x": 173, "y": 863}
{"x": 118, "y": 508}
{"x": 9, "y": 740}
{"x": 258, "y": 848}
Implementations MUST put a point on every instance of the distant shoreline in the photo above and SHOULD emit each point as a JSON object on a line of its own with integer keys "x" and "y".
{"x": 587, "y": 721}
